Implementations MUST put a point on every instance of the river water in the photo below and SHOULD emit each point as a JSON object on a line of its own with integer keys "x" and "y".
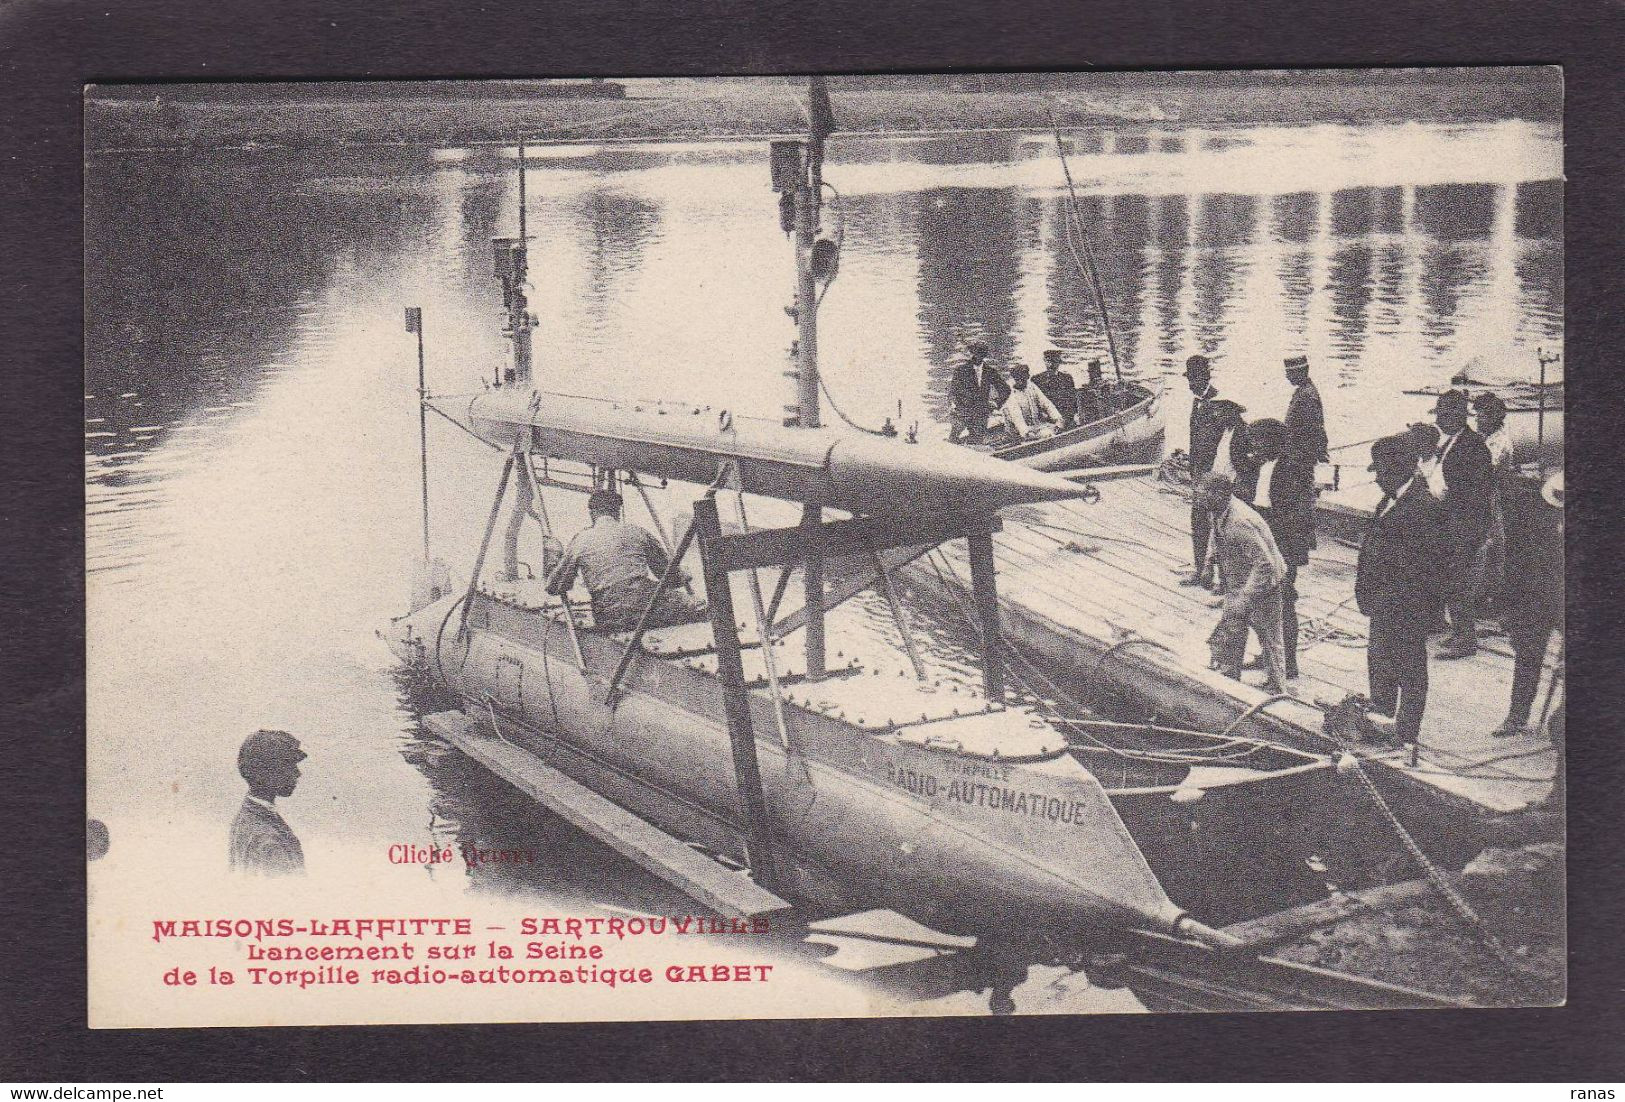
{"x": 250, "y": 427}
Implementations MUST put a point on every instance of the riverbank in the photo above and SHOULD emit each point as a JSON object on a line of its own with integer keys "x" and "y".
{"x": 215, "y": 116}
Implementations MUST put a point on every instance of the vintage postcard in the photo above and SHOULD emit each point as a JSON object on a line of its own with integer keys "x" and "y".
{"x": 616, "y": 550}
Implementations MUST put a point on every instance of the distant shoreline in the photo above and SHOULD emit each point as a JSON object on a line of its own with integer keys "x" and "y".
{"x": 189, "y": 117}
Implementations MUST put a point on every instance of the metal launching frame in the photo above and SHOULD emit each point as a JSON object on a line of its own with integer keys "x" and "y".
{"x": 810, "y": 544}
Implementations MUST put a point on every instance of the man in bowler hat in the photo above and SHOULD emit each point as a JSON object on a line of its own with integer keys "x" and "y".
{"x": 1400, "y": 585}
{"x": 1211, "y": 416}
{"x": 262, "y": 844}
{"x": 1468, "y": 475}
{"x": 976, "y": 391}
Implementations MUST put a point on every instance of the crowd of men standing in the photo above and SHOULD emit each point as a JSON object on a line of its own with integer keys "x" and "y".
{"x": 1456, "y": 530}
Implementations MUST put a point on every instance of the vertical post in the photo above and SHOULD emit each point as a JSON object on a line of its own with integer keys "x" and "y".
{"x": 522, "y": 192}
{"x": 485, "y": 545}
{"x": 519, "y": 320}
{"x": 414, "y": 324}
{"x": 735, "y": 698}
{"x": 1540, "y": 409}
{"x": 807, "y": 291}
{"x": 986, "y": 596}
{"x": 812, "y": 516}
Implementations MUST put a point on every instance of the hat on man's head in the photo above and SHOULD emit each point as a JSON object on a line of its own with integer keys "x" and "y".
{"x": 1019, "y": 368}
{"x": 1198, "y": 365}
{"x": 1488, "y": 400}
{"x": 1297, "y": 363}
{"x": 265, "y": 748}
{"x": 1052, "y": 355}
{"x": 1267, "y": 428}
{"x": 1551, "y": 490}
{"x": 1451, "y": 399}
{"x": 1398, "y": 450}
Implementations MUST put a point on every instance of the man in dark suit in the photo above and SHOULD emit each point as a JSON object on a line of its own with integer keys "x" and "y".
{"x": 1468, "y": 476}
{"x": 976, "y": 391}
{"x": 1059, "y": 387}
{"x": 261, "y": 843}
{"x": 1210, "y": 417}
{"x": 1281, "y": 490}
{"x": 1400, "y": 584}
{"x": 1305, "y": 416}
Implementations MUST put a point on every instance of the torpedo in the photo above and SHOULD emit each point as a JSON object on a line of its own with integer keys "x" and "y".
{"x": 819, "y": 466}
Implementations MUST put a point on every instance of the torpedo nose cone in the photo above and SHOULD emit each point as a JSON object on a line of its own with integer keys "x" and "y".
{"x": 891, "y": 476}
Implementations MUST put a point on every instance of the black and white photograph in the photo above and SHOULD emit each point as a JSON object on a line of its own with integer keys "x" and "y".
{"x": 797, "y": 546}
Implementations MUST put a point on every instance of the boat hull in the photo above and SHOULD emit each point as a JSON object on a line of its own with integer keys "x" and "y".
{"x": 1131, "y": 435}
{"x": 862, "y": 817}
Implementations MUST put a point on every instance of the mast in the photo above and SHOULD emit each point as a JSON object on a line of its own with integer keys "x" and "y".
{"x": 798, "y": 175}
{"x": 512, "y": 262}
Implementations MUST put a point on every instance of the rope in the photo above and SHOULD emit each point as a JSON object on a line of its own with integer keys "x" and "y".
{"x": 822, "y": 385}
{"x": 764, "y": 633}
{"x": 465, "y": 428}
{"x": 1436, "y": 876}
{"x": 1171, "y": 757}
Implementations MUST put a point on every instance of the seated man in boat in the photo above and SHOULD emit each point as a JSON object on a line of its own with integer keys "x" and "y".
{"x": 1028, "y": 414}
{"x": 622, "y": 564}
{"x": 976, "y": 391}
{"x": 1095, "y": 398}
{"x": 1059, "y": 387}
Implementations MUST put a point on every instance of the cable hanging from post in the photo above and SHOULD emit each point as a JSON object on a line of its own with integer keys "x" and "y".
{"x": 1087, "y": 260}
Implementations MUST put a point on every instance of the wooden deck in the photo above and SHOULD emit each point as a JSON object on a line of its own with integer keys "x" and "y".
{"x": 1101, "y": 576}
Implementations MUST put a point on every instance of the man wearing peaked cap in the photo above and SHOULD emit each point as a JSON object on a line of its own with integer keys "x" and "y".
{"x": 1305, "y": 416}
{"x": 262, "y": 844}
{"x": 1058, "y": 386}
{"x": 1400, "y": 585}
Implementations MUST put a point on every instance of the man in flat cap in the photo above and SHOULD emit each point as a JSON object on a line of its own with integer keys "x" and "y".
{"x": 976, "y": 391}
{"x": 1468, "y": 475}
{"x": 262, "y": 844}
{"x": 1253, "y": 572}
{"x": 1305, "y": 416}
{"x": 1400, "y": 585}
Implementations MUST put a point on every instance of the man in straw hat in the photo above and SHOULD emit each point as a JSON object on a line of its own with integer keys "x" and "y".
{"x": 1400, "y": 584}
{"x": 262, "y": 844}
{"x": 1532, "y": 607}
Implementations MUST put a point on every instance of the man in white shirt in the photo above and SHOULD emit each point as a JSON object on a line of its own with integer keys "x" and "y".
{"x": 1027, "y": 412}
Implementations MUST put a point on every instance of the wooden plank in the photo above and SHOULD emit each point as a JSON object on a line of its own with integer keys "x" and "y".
{"x": 1281, "y": 927}
{"x": 728, "y": 893}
